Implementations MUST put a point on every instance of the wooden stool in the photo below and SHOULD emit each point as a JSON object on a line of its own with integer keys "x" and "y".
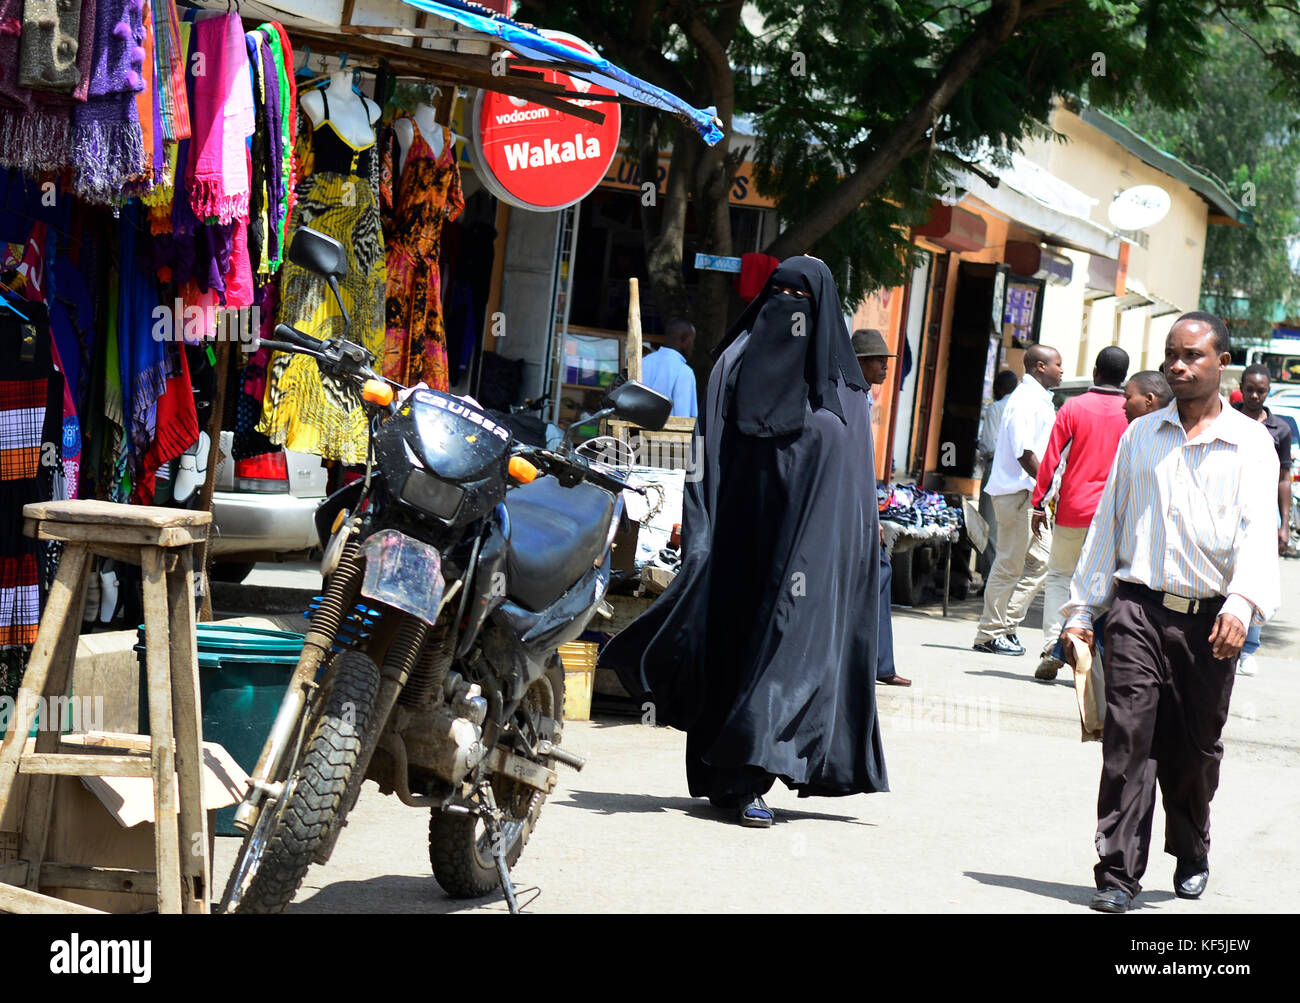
{"x": 161, "y": 541}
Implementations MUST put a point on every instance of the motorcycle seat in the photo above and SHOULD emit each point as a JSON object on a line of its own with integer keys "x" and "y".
{"x": 556, "y": 534}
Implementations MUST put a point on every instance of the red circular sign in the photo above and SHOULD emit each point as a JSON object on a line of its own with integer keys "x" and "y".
{"x": 539, "y": 158}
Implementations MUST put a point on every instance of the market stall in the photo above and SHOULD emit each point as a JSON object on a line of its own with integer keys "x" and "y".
{"x": 158, "y": 157}
{"x": 919, "y": 528}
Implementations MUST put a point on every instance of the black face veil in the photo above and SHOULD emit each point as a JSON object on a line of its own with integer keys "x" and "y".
{"x": 798, "y": 349}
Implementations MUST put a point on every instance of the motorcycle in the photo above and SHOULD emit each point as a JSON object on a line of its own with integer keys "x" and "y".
{"x": 452, "y": 571}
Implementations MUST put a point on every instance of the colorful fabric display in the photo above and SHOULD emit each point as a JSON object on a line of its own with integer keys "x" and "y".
{"x": 218, "y": 181}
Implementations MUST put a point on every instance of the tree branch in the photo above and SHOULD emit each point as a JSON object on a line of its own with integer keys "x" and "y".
{"x": 992, "y": 31}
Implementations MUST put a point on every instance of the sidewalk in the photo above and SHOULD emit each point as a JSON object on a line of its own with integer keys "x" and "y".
{"x": 992, "y": 809}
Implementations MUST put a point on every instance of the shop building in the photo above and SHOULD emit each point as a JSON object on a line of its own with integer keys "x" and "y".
{"x": 1024, "y": 252}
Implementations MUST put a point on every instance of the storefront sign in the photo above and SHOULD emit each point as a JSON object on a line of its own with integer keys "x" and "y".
{"x": 625, "y": 173}
{"x": 539, "y": 158}
{"x": 717, "y": 263}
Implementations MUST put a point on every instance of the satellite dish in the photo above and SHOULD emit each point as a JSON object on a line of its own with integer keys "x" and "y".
{"x": 1138, "y": 208}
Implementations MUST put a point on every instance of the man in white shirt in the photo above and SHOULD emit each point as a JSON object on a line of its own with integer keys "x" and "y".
{"x": 1004, "y": 385}
{"x": 1183, "y": 552}
{"x": 668, "y": 371}
{"x": 1021, "y": 563}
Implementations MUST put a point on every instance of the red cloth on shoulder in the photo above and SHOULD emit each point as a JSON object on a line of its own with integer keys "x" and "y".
{"x": 755, "y": 270}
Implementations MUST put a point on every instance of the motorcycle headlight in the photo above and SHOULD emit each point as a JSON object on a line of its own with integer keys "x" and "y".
{"x": 425, "y": 492}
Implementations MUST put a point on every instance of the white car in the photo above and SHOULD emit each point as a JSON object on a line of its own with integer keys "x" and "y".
{"x": 264, "y": 509}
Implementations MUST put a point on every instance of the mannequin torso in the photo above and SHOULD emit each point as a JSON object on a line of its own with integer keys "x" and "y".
{"x": 427, "y": 123}
{"x": 351, "y": 115}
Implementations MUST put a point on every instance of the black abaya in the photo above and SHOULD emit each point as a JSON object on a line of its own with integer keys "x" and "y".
{"x": 764, "y": 647}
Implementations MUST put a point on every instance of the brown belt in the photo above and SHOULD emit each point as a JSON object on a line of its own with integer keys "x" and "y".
{"x": 1177, "y": 604}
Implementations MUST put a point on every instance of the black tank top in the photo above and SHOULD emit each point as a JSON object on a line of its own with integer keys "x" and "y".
{"x": 335, "y": 154}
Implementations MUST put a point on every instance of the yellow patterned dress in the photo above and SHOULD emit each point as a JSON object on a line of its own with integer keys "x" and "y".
{"x": 306, "y": 410}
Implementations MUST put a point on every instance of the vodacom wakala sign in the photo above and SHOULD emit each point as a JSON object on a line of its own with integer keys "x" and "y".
{"x": 539, "y": 158}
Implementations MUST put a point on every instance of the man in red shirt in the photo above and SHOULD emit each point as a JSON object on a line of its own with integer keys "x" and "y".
{"x": 1085, "y": 438}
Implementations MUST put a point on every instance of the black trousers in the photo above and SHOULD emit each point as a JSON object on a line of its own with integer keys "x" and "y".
{"x": 1166, "y": 704}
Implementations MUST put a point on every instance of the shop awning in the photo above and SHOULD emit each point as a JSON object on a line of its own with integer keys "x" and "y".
{"x": 528, "y": 43}
{"x": 1031, "y": 196}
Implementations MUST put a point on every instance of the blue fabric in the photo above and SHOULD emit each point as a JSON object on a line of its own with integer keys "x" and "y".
{"x": 141, "y": 357}
{"x": 531, "y": 44}
{"x": 668, "y": 372}
{"x": 1252, "y": 640}
{"x": 885, "y": 631}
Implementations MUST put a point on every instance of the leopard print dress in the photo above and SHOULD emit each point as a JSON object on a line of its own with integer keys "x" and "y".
{"x": 304, "y": 409}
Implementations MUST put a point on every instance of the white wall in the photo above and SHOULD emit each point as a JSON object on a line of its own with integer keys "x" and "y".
{"x": 1062, "y": 326}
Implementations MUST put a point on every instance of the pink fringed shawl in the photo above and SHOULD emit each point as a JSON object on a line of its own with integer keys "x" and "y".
{"x": 218, "y": 180}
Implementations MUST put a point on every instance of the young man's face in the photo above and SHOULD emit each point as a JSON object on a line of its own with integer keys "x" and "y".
{"x": 875, "y": 368}
{"x": 1254, "y": 391}
{"x": 1137, "y": 403}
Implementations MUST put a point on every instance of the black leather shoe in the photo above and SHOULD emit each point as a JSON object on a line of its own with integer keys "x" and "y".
{"x": 998, "y": 646}
{"x": 1111, "y": 900}
{"x": 1191, "y": 877}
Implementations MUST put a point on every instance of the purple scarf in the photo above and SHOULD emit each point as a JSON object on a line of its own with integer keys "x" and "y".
{"x": 107, "y": 142}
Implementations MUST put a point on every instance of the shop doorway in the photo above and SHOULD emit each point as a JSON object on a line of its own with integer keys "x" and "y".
{"x": 973, "y": 356}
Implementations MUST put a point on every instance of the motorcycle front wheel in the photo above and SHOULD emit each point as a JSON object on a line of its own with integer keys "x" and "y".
{"x": 322, "y": 778}
{"x": 460, "y": 847}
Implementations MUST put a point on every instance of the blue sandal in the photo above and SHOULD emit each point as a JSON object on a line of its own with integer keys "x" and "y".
{"x": 756, "y": 814}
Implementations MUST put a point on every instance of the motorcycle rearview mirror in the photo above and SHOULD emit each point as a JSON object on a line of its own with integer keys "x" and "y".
{"x": 637, "y": 403}
{"x": 322, "y": 255}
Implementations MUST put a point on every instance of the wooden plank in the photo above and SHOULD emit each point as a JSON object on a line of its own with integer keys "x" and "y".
{"x": 634, "y": 330}
{"x": 162, "y": 745}
{"x": 108, "y": 740}
{"x": 404, "y": 32}
{"x": 675, "y": 424}
{"x": 188, "y": 726}
{"x": 495, "y": 284}
{"x": 71, "y": 764}
{"x": 107, "y": 514}
{"x": 99, "y": 879}
{"x": 20, "y": 900}
{"x": 440, "y": 66}
{"x": 130, "y": 536}
{"x": 117, "y": 552}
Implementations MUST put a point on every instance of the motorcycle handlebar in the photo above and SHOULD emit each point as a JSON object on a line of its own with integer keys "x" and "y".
{"x": 291, "y": 335}
{"x": 570, "y": 472}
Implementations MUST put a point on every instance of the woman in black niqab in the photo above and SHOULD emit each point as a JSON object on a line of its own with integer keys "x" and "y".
{"x": 763, "y": 649}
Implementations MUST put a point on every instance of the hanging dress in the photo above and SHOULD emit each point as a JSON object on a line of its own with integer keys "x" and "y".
{"x": 428, "y": 195}
{"x": 304, "y": 409}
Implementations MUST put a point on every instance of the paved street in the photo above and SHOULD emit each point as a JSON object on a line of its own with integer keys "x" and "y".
{"x": 992, "y": 808}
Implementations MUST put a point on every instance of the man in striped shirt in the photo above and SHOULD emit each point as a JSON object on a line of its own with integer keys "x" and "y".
{"x": 1183, "y": 551}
